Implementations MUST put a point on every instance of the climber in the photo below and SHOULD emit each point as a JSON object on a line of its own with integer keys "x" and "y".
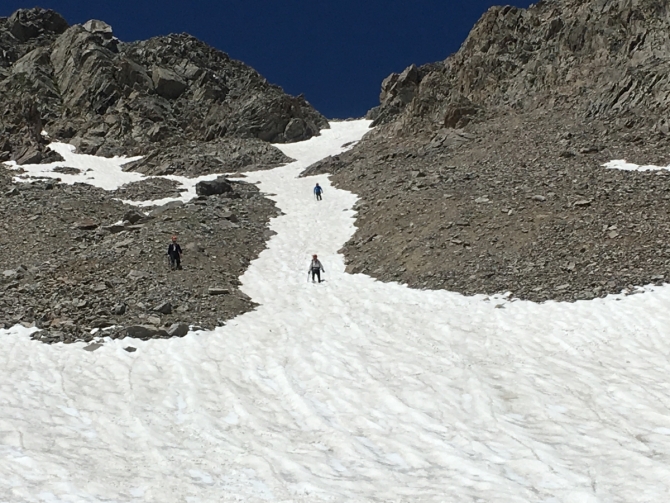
{"x": 174, "y": 253}
{"x": 317, "y": 192}
{"x": 315, "y": 268}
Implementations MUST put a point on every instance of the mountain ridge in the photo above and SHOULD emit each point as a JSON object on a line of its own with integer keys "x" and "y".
{"x": 112, "y": 98}
{"x": 470, "y": 180}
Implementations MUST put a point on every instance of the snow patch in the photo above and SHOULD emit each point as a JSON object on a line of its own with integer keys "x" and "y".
{"x": 628, "y": 166}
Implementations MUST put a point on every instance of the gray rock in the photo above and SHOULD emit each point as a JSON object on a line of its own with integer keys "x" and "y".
{"x": 114, "y": 228}
{"x": 194, "y": 247}
{"x": 87, "y": 224}
{"x": 460, "y": 113}
{"x": 36, "y": 66}
{"x": 132, "y": 75}
{"x": 136, "y": 275}
{"x": 25, "y": 24}
{"x": 295, "y": 130}
{"x": 141, "y": 331}
{"x": 99, "y": 28}
{"x": 99, "y": 94}
{"x": 98, "y": 287}
{"x": 133, "y": 216}
{"x": 29, "y": 155}
{"x": 213, "y": 187}
{"x": 101, "y": 323}
{"x": 397, "y": 91}
{"x": 167, "y": 83}
{"x": 164, "y": 308}
{"x": 162, "y": 209}
{"x": 215, "y": 290}
{"x": 178, "y": 330}
{"x": 91, "y": 85}
{"x": 119, "y": 309}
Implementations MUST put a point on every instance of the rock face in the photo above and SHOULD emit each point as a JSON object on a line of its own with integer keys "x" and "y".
{"x": 167, "y": 83}
{"x": 398, "y": 90}
{"x": 485, "y": 172}
{"x": 28, "y": 24}
{"x": 84, "y": 86}
{"x": 606, "y": 59}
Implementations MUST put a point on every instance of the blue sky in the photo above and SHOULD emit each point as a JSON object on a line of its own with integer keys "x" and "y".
{"x": 335, "y": 52}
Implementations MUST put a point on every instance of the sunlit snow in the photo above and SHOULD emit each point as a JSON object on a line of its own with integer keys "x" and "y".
{"x": 629, "y": 166}
{"x": 348, "y": 391}
{"x": 101, "y": 172}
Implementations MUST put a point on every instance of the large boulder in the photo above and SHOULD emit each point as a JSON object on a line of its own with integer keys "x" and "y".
{"x": 25, "y": 24}
{"x": 213, "y": 187}
{"x": 167, "y": 83}
{"x": 177, "y": 330}
{"x": 99, "y": 27}
{"x": 30, "y": 154}
{"x": 295, "y": 130}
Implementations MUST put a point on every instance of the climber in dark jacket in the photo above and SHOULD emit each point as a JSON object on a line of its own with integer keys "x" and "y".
{"x": 317, "y": 192}
{"x": 174, "y": 252}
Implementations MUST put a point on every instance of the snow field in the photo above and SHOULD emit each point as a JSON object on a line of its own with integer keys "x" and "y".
{"x": 351, "y": 390}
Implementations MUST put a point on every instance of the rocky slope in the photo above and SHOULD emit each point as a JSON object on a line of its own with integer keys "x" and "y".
{"x": 70, "y": 266}
{"x": 485, "y": 173}
{"x": 106, "y": 97}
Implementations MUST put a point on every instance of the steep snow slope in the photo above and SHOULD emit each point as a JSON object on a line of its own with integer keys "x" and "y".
{"x": 352, "y": 390}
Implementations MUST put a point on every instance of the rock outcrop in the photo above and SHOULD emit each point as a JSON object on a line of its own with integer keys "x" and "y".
{"x": 606, "y": 59}
{"x": 485, "y": 172}
{"x": 398, "y": 90}
{"x": 110, "y": 98}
